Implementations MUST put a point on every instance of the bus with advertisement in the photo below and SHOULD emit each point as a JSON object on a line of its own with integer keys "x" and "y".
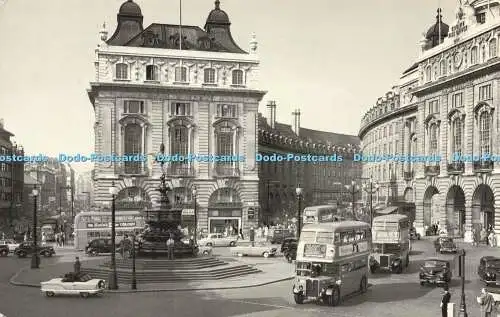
{"x": 332, "y": 261}
{"x": 95, "y": 225}
{"x": 319, "y": 214}
{"x": 391, "y": 243}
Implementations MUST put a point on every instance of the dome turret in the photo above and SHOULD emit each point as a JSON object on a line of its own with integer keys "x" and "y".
{"x": 217, "y": 16}
{"x": 438, "y": 31}
{"x": 130, "y": 8}
{"x": 129, "y": 23}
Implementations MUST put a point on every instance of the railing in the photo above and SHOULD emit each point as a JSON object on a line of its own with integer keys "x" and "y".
{"x": 225, "y": 205}
{"x": 483, "y": 166}
{"x": 456, "y": 168}
{"x": 432, "y": 170}
{"x": 408, "y": 175}
{"x": 226, "y": 171}
{"x": 183, "y": 170}
{"x": 132, "y": 168}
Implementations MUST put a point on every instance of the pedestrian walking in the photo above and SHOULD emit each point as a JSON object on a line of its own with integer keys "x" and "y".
{"x": 58, "y": 239}
{"x": 486, "y": 301}
{"x": 170, "y": 248}
{"x": 77, "y": 265}
{"x": 444, "y": 302}
{"x": 241, "y": 234}
{"x": 44, "y": 239}
{"x": 484, "y": 236}
{"x": 62, "y": 239}
{"x": 474, "y": 237}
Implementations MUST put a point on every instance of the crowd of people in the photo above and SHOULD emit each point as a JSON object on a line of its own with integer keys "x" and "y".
{"x": 483, "y": 235}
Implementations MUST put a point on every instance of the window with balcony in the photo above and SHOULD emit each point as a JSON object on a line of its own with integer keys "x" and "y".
{"x": 225, "y": 139}
{"x": 493, "y": 48}
{"x": 473, "y": 55}
{"x": 209, "y": 76}
{"x": 484, "y": 92}
{"x": 457, "y": 132}
{"x": 179, "y": 143}
{"x": 121, "y": 71}
{"x": 133, "y": 145}
{"x": 181, "y": 109}
{"x": 227, "y": 111}
{"x": 457, "y": 100}
{"x": 133, "y": 107}
{"x": 181, "y": 74}
{"x": 152, "y": 73}
{"x": 485, "y": 132}
{"x": 238, "y": 77}
{"x": 481, "y": 18}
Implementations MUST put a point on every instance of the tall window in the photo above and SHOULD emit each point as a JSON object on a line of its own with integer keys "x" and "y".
{"x": 238, "y": 77}
{"x": 133, "y": 145}
{"x": 493, "y": 48}
{"x": 385, "y": 131}
{"x": 226, "y": 111}
{"x": 433, "y": 139}
{"x": 209, "y": 76}
{"x": 152, "y": 72}
{"x": 121, "y": 71}
{"x": 433, "y": 107}
{"x": 181, "y": 74}
{"x": 457, "y": 136}
{"x": 442, "y": 65}
{"x": 396, "y": 147}
{"x": 484, "y": 132}
{"x": 179, "y": 145}
{"x": 473, "y": 55}
{"x": 181, "y": 109}
{"x": 225, "y": 146}
{"x": 457, "y": 100}
{"x": 485, "y": 92}
{"x": 133, "y": 106}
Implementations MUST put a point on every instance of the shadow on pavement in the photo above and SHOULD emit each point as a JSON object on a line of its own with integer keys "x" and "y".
{"x": 388, "y": 293}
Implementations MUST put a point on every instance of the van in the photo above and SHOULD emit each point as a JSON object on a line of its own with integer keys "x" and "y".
{"x": 279, "y": 235}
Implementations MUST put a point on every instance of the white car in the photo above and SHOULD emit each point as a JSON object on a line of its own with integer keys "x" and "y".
{"x": 73, "y": 284}
{"x": 218, "y": 240}
{"x": 10, "y": 243}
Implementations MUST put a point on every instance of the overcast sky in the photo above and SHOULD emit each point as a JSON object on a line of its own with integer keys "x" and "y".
{"x": 330, "y": 58}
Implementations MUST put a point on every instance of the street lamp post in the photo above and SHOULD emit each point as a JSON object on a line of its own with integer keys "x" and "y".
{"x": 113, "y": 279}
{"x": 463, "y": 308}
{"x": 353, "y": 190}
{"x": 298, "y": 191}
{"x": 369, "y": 188}
{"x": 134, "y": 277}
{"x": 35, "y": 259}
{"x": 195, "y": 217}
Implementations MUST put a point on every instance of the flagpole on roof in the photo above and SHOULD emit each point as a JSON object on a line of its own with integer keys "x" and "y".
{"x": 180, "y": 24}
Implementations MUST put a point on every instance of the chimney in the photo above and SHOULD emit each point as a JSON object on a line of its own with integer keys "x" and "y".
{"x": 296, "y": 121}
{"x": 271, "y": 113}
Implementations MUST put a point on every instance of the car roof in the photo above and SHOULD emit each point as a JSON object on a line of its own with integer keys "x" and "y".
{"x": 437, "y": 260}
{"x": 490, "y": 257}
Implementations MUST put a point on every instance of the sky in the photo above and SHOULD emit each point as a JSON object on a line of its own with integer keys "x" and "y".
{"x": 330, "y": 58}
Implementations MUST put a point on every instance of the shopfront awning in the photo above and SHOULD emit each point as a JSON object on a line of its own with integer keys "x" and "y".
{"x": 387, "y": 210}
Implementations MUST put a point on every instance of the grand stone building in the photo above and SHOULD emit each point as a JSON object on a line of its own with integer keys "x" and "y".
{"x": 192, "y": 90}
{"x": 448, "y": 107}
{"x": 322, "y": 182}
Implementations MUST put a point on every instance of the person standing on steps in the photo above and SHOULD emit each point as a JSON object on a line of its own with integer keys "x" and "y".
{"x": 170, "y": 248}
{"x": 444, "y": 302}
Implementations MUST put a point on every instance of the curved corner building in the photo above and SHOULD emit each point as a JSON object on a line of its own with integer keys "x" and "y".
{"x": 443, "y": 116}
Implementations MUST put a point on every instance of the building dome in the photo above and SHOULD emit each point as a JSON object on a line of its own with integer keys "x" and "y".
{"x": 217, "y": 16}
{"x": 130, "y": 8}
{"x": 439, "y": 27}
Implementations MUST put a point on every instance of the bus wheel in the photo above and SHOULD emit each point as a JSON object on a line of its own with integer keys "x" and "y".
{"x": 334, "y": 299}
{"x": 363, "y": 286}
{"x": 299, "y": 298}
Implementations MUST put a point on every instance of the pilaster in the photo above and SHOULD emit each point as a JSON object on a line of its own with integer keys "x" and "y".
{"x": 419, "y": 218}
{"x": 468, "y": 224}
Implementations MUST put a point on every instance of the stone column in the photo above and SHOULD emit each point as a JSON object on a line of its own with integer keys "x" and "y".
{"x": 143, "y": 144}
{"x": 235, "y": 149}
{"x": 190, "y": 129}
{"x": 468, "y": 224}
{"x": 419, "y": 218}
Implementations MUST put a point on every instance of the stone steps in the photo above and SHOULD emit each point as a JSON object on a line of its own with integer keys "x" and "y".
{"x": 184, "y": 264}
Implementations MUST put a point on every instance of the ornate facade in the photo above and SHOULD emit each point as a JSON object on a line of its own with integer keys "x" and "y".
{"x": 322, "y": 182}
{"x": 195, "y": 92}
{"x": 447, "y": 109}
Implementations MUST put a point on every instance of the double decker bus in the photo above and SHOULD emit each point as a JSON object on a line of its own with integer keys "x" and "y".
{"x": 319, "y": 214}
{"x": 391, "y": 243}
{"x": 332, "y": 261}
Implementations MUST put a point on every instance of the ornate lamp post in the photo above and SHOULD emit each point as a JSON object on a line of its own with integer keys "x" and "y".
{"x": 35, "y": 259}
{"x": 371, "y": 188}
{"x": 463, "y": 308}
{"x": 195, "y": 217}
{"x": 134, "y": 275}
{"x": 298, "y": 191}
{"x": 113, "y": 279}
{"x": 353, "y": 190}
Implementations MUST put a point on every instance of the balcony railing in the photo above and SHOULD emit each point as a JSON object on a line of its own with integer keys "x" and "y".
{"x": 132, "y": 168}
{"x": 456, "y": 168}
{"x": 408, "y": 175}
{"x": 226, "y": 171}
{"x": 181, "y": 170}
{"x": 432, "y": 170}
{"x": 483, "y": 166}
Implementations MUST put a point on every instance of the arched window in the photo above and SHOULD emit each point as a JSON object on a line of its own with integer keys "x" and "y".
{"x": 428, "y": 74}
{"x": 209, "y": 76}
{"x": 152, "y": 72}
{"x": 473, "y": 55}
{"x": 121, "y": 71}
{"x": 238, "y": 78}
{"x": 443, "y": 67}
{"x": 457, "y": 132}
{"x": 433, "y": 139}
{"x": 493, "y": 48}
{"x": 484, "y": 132}
{"x": 133, "y": 145}
{"x": 181, "y": 74}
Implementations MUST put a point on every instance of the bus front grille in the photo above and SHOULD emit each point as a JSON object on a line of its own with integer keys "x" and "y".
{"x": 384, "y": 260}
{"x": 312, "y": 288}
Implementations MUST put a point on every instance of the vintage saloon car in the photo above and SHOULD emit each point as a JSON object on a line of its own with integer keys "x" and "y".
{"x": 218, "y": 240}
{"x": 10, "y": 243}
{"x": 445, "y": 245}
{"x": 489, "y": 270}
{"x": 435, "y": 271}
{"x": 4, "y": 250}
{"x": 257, "y": 249}
{"x": 73, "y": 284}
{"x": 28, "y": 248}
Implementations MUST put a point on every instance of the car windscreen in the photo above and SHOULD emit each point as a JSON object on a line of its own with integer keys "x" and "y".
{"x": 493, "y": 263}
{"x": 84, "y": 278}
{"x": 316, "y": 269}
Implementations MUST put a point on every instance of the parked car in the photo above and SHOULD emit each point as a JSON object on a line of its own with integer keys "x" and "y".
{"x": 495, "y": 292}
{"x": 286, "y": 243}
{"x": 10, "y": 243}
{"x": 279, "y": 235}
{"x": 219, "y": 240}
{"x": 291, "y": 252}
{"x": 98, "y": 246}
{"x": 73, "y": 284}
{"x": 489, "y": 270}
{"x": 445, "y": 244}
{"x": 4, "y": 250}
{"x": 435, "y": 271}
{"x": 414, "y": 235}
{"x": 257, "y": 249}
{"x": 28, "y": 248}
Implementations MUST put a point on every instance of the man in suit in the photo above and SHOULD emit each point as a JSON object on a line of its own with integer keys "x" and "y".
{"x": 444, "y": 302}
{"x": 487, "y": 302}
